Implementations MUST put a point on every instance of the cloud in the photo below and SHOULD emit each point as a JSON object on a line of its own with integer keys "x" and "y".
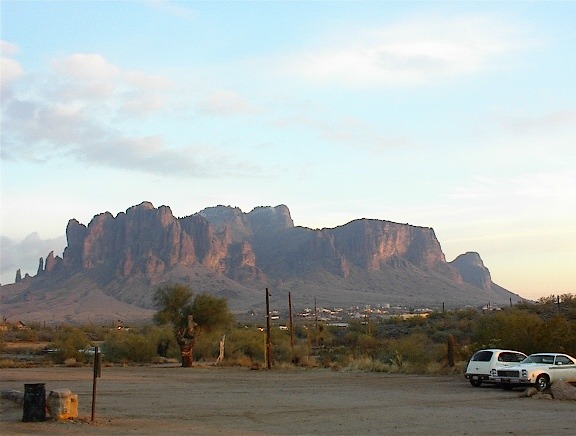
{"x": 226, "y": 103}
{"x": 540, "y": 193}
{"x": 545, "y": 123}
{"x": 10, "y": 70}
{"x": 172, "y": 8}
{"x": 351, "y": 132}
{"x": 82, "y": 112}
{"x": 7, "y": 48}
{"x": 24, "y": 255}
{"x": 412, "y": 53}
{"x": 87, "y": 66}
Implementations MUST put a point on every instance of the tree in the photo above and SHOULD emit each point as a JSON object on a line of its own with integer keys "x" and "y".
{"x": 189, "y": 318}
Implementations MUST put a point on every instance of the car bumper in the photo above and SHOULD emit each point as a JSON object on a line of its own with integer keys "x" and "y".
{"x": 511, "y": 380}
{"x": 478, "y": 377}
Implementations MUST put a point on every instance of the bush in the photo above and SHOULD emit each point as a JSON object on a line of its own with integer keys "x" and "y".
{"x": 69, "y": 341}
{"x": 124, "y": 347}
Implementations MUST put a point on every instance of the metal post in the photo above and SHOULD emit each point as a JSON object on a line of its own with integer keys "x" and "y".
{"x": 97, "y": 372}
{"x": 268, "y": 354}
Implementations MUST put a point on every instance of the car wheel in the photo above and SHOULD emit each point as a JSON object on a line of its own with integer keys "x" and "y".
{"x": 542, "y": 382}
{"x": 475, "y": 383}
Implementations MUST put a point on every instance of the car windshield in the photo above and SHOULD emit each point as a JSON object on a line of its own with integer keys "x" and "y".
{"x": 539, "y": 358}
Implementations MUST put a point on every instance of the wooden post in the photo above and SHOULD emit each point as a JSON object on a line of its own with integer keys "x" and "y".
{"x": 268, "y": 354}
{"x": 291, "y": 325}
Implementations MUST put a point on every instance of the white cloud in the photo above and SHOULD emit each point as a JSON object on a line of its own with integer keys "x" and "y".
{"x": 10, "y": 70}
{"x": 411, "y": 53}
{"x": 546, "y": 123}
{"x": 87, "y": 66}
{"x": 7, "y": 48}
{"x": 226, "y": 103}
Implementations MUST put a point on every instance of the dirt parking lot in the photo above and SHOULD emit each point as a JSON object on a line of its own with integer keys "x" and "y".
{"x": 212, "y": 400}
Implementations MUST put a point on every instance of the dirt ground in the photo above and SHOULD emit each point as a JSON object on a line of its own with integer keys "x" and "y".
{"x": 237, "y": 401}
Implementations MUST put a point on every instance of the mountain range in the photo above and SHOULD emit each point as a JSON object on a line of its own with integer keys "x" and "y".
{"x": 111, "y": 267}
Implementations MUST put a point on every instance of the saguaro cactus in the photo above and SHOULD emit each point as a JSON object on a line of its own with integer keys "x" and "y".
{"x": 450, "y": 342}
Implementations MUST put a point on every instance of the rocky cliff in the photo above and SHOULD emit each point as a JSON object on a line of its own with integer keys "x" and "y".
{"x": 230, "y": 253}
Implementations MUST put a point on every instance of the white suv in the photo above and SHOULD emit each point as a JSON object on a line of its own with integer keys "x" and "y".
{"x": 484, "y": 361}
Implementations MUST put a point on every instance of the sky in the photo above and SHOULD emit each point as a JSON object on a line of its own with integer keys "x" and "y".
{"x": 460, "y": 116}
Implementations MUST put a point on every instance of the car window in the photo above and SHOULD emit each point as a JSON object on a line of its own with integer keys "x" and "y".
{"x": 539, "y": 358}
{"x": 511, "y": 356}
{"x": 507, "y": 357}
{"x": 482, "y": 356}
{"x": 563, "y": 360}
{"x": 519, "y": 357}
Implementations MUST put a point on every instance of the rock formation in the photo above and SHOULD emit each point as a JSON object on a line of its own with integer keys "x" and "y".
{"x": 225, "y": 251}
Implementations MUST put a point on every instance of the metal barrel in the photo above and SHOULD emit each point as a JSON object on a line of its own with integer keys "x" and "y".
{"x": 34, "y": 402}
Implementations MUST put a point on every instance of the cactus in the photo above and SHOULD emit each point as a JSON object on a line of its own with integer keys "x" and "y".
{"x": 450, "y": 341}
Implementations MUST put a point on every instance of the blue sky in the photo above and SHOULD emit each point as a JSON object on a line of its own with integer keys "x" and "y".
{"x": 460, "y": 116}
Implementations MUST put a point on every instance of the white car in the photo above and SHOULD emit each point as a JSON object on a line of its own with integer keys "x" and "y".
{"x": 484, "y": 361}
{"x": 540, "y": 370}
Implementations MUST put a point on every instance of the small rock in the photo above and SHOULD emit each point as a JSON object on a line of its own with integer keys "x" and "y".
{"x": 529, "y": 392}
{"x": 13, "y": 395}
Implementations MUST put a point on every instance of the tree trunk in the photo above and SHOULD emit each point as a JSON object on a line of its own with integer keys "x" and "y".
{"x": 186, "y": 351}
{"x": 186, "y": 340}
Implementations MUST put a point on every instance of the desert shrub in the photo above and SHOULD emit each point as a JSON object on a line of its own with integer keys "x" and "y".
{"x": 69, "y": 340}
{"x": 414, "y": 351}
{"x": 245, "y": 342}
{"x": 207, "y": 346}
{"x": 162, "y": 339}
{"x": 123, "y": 346}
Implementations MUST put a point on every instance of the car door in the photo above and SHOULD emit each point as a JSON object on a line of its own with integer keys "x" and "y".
{"x": 564, "y": 369}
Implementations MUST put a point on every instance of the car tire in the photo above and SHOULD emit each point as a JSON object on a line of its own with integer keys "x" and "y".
{"x": 475, "y": 383}
{"x": 542, "y": 382}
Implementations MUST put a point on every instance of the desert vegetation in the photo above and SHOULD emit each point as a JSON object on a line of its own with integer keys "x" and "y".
{"x": 440, "y": 343}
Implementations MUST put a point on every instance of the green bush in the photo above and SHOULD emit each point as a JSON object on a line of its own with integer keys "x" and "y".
{"x": 69, "y": 341}
{"x": 123, "y": 346}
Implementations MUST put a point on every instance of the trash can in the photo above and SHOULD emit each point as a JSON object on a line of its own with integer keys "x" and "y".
{"x": 34, "y": 402}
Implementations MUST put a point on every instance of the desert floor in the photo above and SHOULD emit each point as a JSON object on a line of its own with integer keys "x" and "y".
{"x": 234, "y": 401}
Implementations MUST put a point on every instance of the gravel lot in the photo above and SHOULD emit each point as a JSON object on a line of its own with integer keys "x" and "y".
{"x": 212, "y": 400}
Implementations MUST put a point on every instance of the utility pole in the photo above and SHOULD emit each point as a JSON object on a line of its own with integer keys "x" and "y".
{"x": 315, "y": 323}
{"x": 268, "y": 356}
{"x": 291, "y": 325}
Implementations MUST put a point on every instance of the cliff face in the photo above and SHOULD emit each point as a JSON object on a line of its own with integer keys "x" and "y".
{"x": 236, "y": 250}
{"x": 472, "y": 270}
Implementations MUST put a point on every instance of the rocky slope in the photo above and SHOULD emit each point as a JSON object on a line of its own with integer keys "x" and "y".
{"x": 116, "y": 262}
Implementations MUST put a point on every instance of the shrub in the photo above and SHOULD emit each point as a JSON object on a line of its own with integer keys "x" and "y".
{"x": 122, "y": 346}
{"x": 69, "y": 341}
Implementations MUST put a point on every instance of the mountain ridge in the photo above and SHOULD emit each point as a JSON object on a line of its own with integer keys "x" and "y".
{"x": 226, "y": 252}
